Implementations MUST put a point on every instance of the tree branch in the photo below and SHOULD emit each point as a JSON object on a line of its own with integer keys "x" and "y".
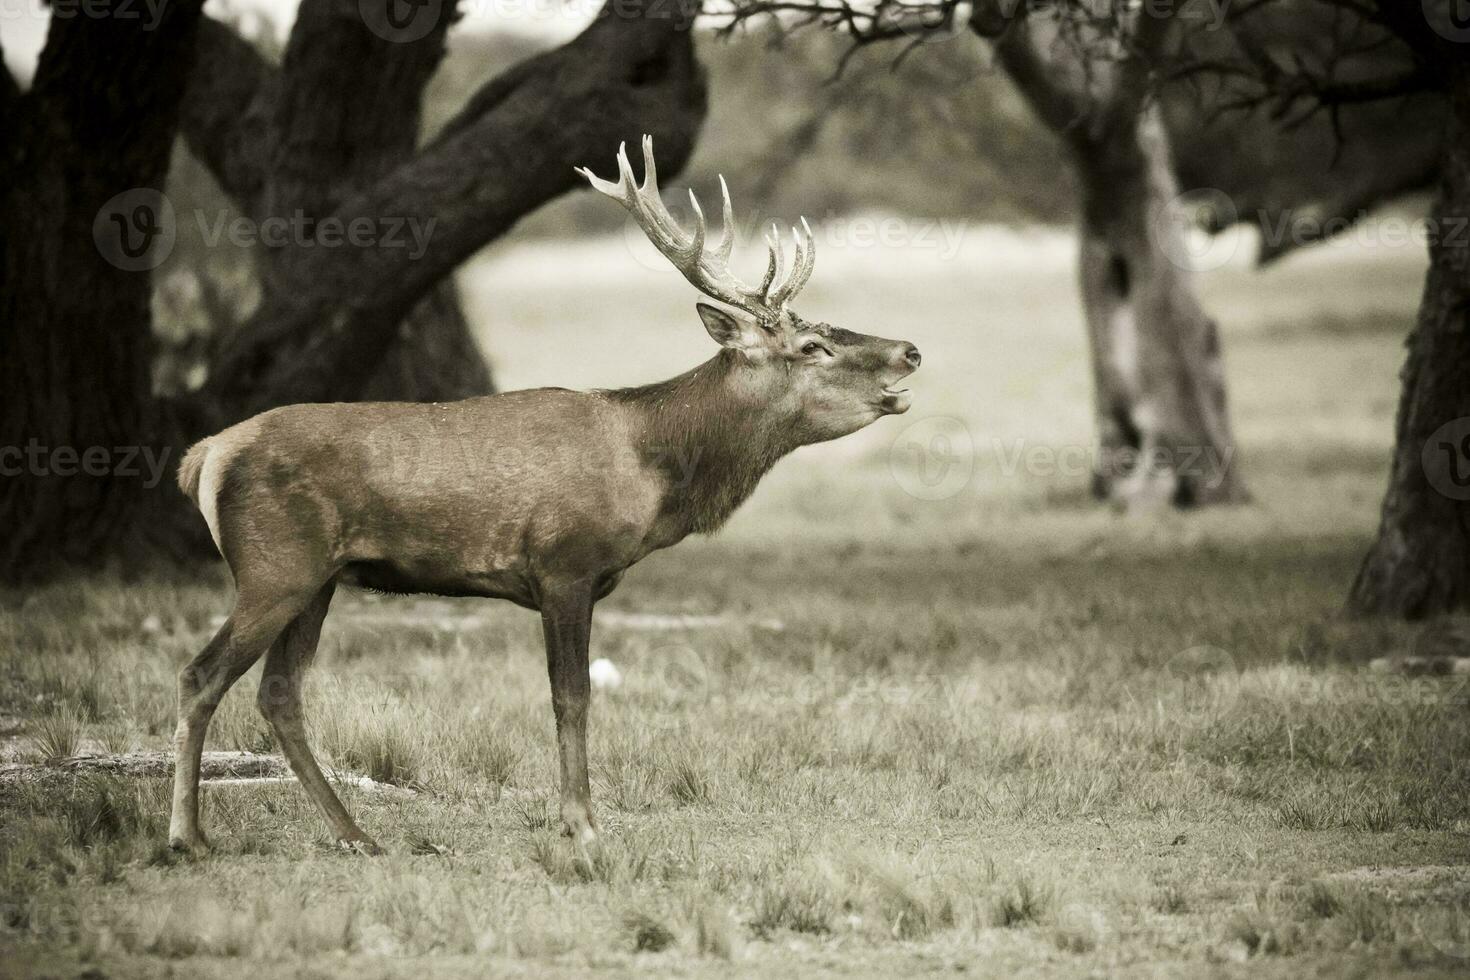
{"x": 349, "y": 104}
{"x": 632, "y": 71}
{"x": 225, "y": 114}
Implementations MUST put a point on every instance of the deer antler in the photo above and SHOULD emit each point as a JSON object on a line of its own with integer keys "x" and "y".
{"x": 709, "y": 272}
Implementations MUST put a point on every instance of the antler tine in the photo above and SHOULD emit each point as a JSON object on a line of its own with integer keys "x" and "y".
{"x": 615, "y": 189}
{"x": 782, "y": 292}
{"x": 647, "y": 205}
{"x": 626, "y": 183}
{"x": 650, "y": 171}
{"x": 727, "y": 224}
{"x": 811, "y": 252}
{"x": 695, "y": 251}
{"x": 775, "y": 270}
{"x": 801, "y": 266}
{"x": 707, "y": 271}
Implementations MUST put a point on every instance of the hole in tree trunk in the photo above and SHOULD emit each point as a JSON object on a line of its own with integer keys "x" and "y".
{"x": 1118, "y": 276}
{"x": 651, "y": 70}
{"x": 1132, "y": 438}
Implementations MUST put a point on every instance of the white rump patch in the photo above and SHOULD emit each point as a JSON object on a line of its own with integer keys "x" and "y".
{"x": 209, "y": 476}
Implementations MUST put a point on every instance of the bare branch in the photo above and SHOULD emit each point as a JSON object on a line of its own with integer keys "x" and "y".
{"x": 622, "y": 76}
{"x": 224, "y": 118}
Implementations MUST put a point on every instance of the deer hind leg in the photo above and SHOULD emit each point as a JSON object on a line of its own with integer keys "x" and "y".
{"x": 279, "y": 700}
{"x": 566, "y": 620}
{"x": 203, "y": 682}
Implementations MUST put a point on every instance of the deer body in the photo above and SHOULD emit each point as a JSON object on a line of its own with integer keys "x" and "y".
{"x": 542, "y": 497}
{"x": 487, "y": 496}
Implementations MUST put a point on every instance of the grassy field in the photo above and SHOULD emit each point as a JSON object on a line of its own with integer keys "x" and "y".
{"x": 921, "y": 707}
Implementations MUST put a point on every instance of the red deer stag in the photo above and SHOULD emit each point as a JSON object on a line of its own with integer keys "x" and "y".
{"x": 541, "y": 497}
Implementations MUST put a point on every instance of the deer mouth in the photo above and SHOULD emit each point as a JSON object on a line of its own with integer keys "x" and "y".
{"x": 895, "y": 401}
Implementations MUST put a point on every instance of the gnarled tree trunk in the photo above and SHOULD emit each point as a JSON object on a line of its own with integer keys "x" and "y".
{"x": 331, "y": 315}
{"x": 1158, "y": 380}
{"x": 331, "y": 134}
{"x": 76, "y": 417}
{"x": 341, "y": 112}
{"x": 1159, "y": 385}
{"x": 1419, "y": 564}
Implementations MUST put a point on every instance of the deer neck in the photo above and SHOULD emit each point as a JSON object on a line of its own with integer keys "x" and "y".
{"x": 711, "y": 434}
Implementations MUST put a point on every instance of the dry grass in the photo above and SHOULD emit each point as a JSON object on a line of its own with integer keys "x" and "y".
{"x": 917, "y": 733}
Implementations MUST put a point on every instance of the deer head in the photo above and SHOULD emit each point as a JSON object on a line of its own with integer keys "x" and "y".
{"x": 825, "y": 381}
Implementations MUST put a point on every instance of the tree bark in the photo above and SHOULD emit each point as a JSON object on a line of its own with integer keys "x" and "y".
{"x": 342, "y": 111}
{"x": 75, "y": 329}
{"x": 351, "y": 321}
{"x": 331, "y": 314}
{"x": 1419, "y": 565}
{"x": 1159, "y": 385}
{"x": 1158, "y": 378}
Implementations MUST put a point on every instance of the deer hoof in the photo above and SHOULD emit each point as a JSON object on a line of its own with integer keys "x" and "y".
{"x": 365, "y": 846}
{"x": 580, "y": 831}
{"x": 192, "y": 844}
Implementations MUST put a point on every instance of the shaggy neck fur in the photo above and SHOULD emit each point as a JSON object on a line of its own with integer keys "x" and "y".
{"x": 711, "y": 436}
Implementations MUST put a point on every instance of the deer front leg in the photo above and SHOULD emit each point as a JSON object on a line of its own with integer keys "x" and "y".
{"x": 566, "y": 619}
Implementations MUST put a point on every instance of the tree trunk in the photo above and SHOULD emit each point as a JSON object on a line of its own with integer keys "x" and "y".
{"x": 343, "y": 110}
{"x": 331, "y": 314}
{"x": 76, "y": 418}
{"x": 1158, "y": 380}
{"x": 352, "y": 320}
{"x": 1419, "y": 565}
{"x": 1159, "y": 386}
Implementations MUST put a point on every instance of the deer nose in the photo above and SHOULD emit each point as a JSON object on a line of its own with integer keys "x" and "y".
{"x": 911, "y": 355}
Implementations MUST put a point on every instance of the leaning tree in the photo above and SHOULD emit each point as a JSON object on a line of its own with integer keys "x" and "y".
{"x": 1095, "y": 75}
{"x": 1298, "y": 108}
{"x": 98, "y": 120}
{"x": 327, "y": 140}
{"x": 1419, "y": 564}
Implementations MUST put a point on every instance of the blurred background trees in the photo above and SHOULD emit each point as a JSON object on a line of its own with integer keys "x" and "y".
{"x": 332, "y": 133}
{"x": 1284, "y": 110}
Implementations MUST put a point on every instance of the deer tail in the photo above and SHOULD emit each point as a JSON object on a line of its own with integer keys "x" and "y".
{"x": 189, "y": 469}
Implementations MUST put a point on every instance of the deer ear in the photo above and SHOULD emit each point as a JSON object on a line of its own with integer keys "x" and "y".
{"x": 727, "y": 329}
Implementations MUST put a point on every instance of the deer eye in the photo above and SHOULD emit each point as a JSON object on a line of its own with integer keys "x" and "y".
{"x": 811, "y": 347}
